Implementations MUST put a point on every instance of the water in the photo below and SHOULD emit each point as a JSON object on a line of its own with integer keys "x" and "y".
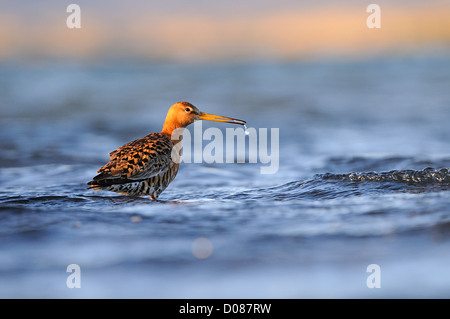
{"x": 362, "y": 179}
{"x": 247, "y": 132}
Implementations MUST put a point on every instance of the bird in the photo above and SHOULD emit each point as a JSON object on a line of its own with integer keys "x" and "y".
{"x": 149, "y": 164}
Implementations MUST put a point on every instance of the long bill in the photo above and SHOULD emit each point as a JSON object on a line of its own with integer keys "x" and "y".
{"x": 217, "y": 118}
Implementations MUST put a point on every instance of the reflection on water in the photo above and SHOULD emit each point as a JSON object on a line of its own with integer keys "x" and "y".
{"x": 354, "y": 185}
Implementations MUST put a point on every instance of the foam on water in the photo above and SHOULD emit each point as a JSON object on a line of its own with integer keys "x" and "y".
{"x": 428, "y": 176}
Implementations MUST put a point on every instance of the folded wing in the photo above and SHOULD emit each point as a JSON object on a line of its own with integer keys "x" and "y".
{"x": 138, "y": 160}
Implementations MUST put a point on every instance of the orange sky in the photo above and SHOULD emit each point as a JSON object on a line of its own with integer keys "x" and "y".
{"x": 279, "y": 34}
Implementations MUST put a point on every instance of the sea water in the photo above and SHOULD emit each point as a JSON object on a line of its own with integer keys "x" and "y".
{"x": 364, "y": 152}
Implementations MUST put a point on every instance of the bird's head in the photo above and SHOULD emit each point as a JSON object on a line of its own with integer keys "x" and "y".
{"x": 181, "y": 114}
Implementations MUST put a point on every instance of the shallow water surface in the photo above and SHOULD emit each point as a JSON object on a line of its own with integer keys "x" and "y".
{"x": 363, "y": 179}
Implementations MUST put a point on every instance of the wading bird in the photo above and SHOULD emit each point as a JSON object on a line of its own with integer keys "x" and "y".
{"x": 148, "y": 165}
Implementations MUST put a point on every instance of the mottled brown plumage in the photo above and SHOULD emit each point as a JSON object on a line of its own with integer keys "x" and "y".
{"x": 148, "y": 165}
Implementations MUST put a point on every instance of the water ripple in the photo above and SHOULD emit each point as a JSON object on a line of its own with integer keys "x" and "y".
{"x": 428, "y": 176}
{"x": 331, "y": 186}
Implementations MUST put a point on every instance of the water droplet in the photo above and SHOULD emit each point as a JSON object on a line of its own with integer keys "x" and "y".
{"x": 247, "y": 132}
{"x": 136, "y": 219}
{"x": 202, "y": 248}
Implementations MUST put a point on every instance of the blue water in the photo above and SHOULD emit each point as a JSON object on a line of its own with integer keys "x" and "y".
{"x": 363, "y": 152}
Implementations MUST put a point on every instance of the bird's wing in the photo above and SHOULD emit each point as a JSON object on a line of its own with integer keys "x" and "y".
{"x": 140, "y": 159}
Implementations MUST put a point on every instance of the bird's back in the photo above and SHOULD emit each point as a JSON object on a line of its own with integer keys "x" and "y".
{"x": 142, "y": 167}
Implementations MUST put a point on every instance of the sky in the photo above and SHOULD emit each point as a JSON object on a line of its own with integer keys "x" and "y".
{"x": 200, "y": 30}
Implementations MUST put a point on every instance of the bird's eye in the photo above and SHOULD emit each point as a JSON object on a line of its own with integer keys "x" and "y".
{"x": 188, "y": 109}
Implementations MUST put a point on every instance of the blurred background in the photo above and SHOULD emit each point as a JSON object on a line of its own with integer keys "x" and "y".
{"x": 345, "y": 97}
{"x": 201, "y": 31}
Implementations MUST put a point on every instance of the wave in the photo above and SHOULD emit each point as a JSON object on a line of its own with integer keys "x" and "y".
{"x": 422, "y": 177}
{"x": 332, "y": 186}
{"x": 320, "y": 186}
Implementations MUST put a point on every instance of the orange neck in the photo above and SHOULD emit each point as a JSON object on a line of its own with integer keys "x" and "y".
{"x": 175, "y": 133}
